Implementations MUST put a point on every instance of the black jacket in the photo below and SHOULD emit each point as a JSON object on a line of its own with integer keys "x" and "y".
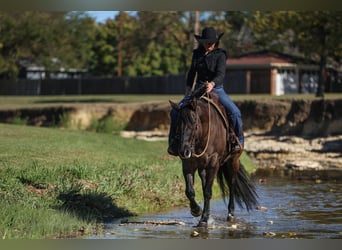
{"x": 210, "y": 67}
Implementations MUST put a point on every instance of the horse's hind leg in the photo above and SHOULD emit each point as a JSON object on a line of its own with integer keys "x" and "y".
{"x": 230, "y": 176}
{"x": 233, "y": 167}
{"x": 231, "y": 204}
{"x": 195, "y": 209}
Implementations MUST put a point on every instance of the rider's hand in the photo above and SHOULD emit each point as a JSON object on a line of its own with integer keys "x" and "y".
{"x": 210, "y": 86}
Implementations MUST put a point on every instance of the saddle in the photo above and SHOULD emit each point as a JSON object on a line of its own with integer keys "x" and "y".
{"x": 213, "y": 99}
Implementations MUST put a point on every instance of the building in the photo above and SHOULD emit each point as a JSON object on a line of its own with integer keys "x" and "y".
{"x": 266, "y": 72}
{"x": 31, "y": 71}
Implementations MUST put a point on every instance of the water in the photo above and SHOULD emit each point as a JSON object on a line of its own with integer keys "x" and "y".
{"x": 291, "y": 209}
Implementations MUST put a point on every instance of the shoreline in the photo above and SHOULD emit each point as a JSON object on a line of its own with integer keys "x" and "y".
{"x": 313, "y": 158}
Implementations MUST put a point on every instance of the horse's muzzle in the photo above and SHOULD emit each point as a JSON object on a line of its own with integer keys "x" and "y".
{"x": 186, "y": 153}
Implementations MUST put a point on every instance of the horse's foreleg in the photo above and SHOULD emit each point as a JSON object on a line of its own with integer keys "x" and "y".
{"x": 207, "y": 178}
{"x": 195, "y": 209}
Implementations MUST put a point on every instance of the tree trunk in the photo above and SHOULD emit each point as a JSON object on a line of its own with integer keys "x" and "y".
{"x": 196, "y": 27}
{"x": 321, "y": 79}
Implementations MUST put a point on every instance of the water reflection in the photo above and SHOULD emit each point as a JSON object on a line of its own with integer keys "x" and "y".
{"x": 295, "y": 209}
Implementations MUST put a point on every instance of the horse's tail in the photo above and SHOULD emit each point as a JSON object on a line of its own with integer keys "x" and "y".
{"x": 242, "y": 186}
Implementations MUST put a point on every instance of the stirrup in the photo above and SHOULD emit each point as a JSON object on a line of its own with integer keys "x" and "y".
{"x": 236, "y": 148}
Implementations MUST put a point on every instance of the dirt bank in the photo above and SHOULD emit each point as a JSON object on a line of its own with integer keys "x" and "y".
{"x": 317, "y": 117}
{"x": 277, "y": 117}
{"x": 299, "y": 138}
{"x": 280, "y": 133}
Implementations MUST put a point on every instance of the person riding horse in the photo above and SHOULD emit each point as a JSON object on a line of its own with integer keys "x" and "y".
{"x": 209, "y": 65}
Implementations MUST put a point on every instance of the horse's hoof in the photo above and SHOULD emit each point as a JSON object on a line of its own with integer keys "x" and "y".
{"x": 230, "y": 218}
{"x": 196, "y": 212}
{"x": 203, "y": 224}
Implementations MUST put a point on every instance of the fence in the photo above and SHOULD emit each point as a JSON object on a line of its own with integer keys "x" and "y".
{"x": 235, "y": 82}
{"x": 173, "y": 84}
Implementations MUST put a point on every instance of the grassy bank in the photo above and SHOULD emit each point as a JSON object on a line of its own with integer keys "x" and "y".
{"x": 59, "y": 182}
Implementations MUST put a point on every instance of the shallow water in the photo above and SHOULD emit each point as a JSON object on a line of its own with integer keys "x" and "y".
{"x": 291, "y": 209}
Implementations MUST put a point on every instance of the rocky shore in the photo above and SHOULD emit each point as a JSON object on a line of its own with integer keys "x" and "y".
{"x": 315, "y": 158}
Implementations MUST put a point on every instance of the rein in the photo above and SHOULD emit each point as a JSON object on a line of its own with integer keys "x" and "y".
{"x": 209, "y": 127}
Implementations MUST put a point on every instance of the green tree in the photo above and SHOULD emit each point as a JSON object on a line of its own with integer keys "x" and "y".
{"x": 48, "y": 39}
{"x": 239, "y": 38}
{"x": 152, "y": 43}
{"x": 23, "y": 36}
{"x": 165, "y": 36}
{"x": 106, "y": 49}
{"x": 314, "y": 34}
{"x": 318, "y": 35}
{"x": 76, "y": 36}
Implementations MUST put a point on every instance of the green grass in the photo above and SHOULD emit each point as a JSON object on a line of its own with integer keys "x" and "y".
{"x": 79, "y": 179}
{"x": 13, "y": 102}
{"x": 58, "y": 182}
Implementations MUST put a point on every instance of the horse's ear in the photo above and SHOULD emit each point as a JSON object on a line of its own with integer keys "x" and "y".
{"x": 174, "y": 105}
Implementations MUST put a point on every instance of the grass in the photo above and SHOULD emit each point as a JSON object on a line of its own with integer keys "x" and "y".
{"x": 59, "y": 182}
{"x": 13, "y": 102}
{"x": 79, "y": 179}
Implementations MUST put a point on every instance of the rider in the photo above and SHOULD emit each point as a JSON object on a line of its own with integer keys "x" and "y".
{"x": 209, "y": 65}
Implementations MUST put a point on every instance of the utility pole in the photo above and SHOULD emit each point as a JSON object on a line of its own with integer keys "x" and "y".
{"x": 196, "y": 26}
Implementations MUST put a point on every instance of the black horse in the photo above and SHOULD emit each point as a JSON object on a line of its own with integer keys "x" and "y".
{"x": 204, "y": 137}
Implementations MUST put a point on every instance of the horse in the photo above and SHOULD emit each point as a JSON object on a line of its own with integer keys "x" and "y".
{"x": 205, "y": 139}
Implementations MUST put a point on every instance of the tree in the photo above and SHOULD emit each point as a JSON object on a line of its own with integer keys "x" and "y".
{"x": 76, "y": 36}
{"x": 114, "y": 36}
{"x": 318, "y": 35}
{"x": 238, "y": 37}
{"x": 22, "y": 36}
{"x": 48, "y": 39}
{"x": 314, "y": 34}
{"x": 169, "y": 33}
{"x": 150, "y": 43}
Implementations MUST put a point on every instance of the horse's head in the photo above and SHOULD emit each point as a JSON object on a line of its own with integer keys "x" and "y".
{"x": 188, "y": 126}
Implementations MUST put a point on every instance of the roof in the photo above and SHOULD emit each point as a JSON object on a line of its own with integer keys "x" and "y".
{"x": 261, "y": 58}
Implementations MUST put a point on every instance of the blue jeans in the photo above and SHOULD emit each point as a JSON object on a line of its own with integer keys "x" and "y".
{"x": 233, "y": 113}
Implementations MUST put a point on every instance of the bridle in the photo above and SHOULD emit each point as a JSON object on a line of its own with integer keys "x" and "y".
{"x": 209, "y": 127}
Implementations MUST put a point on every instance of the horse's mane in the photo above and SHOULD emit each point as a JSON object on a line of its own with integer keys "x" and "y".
{"x": 213, "y": 98}
{"x": 201, "y": 91}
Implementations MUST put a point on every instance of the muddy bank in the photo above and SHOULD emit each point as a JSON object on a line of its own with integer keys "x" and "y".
{"x": 317, "y": 117}
{"x": 282, "y": 134}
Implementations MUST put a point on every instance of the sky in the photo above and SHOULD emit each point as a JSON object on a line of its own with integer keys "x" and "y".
{"x": 102, "y": 16}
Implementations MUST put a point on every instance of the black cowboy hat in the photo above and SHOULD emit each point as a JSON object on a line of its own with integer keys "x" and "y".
{"x": 208, "y": 36}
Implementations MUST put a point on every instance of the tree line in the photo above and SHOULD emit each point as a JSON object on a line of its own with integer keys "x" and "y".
{"x": 146, "y": 43}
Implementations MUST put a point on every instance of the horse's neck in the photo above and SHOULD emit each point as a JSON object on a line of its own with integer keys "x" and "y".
{"x": 218, "y": 108}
